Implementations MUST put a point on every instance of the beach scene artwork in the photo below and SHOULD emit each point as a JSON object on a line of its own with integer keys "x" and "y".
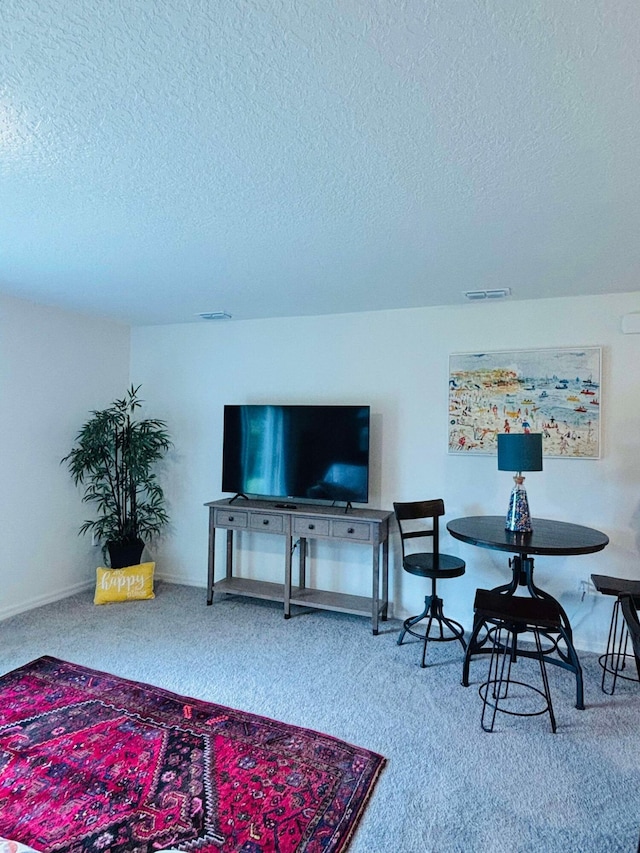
{"x": 552, "y": 391}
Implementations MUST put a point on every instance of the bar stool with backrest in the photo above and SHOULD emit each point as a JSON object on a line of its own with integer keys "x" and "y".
{"x": 420, "y": 520}
{"x": 614, "y": 660}
{"x": 506, "y": 617}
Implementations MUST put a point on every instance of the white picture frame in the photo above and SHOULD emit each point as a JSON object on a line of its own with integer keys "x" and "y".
{"x": 553, "y": 391}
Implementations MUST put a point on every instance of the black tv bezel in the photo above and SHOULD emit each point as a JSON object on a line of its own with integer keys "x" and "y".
{"x": 299, "y": 499}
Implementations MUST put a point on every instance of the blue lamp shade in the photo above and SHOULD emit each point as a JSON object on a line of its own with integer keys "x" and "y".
{"x": 519, "y": 452}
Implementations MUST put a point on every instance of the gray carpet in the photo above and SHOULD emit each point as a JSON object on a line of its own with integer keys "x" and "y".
{"x": 448, "y": 787}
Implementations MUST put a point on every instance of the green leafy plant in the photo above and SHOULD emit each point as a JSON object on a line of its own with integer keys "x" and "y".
{"x": 114, "y": 458}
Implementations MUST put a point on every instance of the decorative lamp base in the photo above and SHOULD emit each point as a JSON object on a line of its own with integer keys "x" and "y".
{"x": 518, "y": 516}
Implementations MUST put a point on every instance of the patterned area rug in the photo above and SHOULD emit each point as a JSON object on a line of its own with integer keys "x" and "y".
{"x": 92, "y": 762}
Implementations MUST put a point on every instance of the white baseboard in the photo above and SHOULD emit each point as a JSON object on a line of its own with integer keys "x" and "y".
{"x": 65, "y": 592}
{"x": 179, "y": 579}
{"x": 48, "y": 598}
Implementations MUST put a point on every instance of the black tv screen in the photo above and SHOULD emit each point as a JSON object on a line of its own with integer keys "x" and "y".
{"x": 301, "y": 452}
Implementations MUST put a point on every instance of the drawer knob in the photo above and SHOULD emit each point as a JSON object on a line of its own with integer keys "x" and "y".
{"x": 230, "y": 518}
{"x": 265, "y": 521}
{"x": 350, "y": 530}
{"x": 312, "y": 527}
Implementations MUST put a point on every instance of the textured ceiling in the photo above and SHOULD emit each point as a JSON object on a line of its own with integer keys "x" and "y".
{"x": 159, "y": 158}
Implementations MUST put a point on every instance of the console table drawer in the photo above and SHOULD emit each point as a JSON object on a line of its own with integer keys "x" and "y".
{"x": 358, "y": 530}
{"x": 231, "y": 518}
{"x": 311, "y": 526}
{"x": 267, "y": 522}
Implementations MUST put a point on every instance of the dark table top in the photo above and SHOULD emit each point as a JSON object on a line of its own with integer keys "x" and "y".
{"x": 554, "y": 538}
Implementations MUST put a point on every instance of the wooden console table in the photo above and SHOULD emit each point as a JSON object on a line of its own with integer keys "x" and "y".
{"x": 302, "y": 521}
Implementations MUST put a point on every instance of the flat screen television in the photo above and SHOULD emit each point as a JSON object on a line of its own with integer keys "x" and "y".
{"x": 297, "y": 452}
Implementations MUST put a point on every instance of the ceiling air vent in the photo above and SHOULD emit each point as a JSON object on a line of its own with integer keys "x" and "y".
{"x": 498, "y": 293}
{"x": 214, "y": 315}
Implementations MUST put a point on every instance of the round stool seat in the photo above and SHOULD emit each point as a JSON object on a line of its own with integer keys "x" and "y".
{"x": 608, "y": 585}
{"x": 517, "y": 610}
{"x": 427, "y": 565}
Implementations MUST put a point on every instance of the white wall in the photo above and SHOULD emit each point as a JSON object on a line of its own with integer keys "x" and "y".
{"x": 55, "y": 367}
{"x": 397, "y": 361}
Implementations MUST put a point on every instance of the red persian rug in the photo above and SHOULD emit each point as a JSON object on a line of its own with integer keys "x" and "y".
{"x": 92, "y": 762}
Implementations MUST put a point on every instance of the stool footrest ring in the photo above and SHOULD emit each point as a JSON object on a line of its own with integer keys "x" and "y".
{"x": 436, "y": 623}
{"x": 484, "y": 687}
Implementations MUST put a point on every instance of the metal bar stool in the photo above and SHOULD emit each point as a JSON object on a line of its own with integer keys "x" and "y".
{"x": 615, "y": 660}
{"x": 506, "y": 617}
{"x": 630, "y": 613}
{"x": 419, "y": 520}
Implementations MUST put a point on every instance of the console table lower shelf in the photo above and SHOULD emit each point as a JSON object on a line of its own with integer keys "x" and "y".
{"x": 366, "y": 527}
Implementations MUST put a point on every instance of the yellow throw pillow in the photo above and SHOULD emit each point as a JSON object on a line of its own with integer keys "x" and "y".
{"x": 132, "y": 582}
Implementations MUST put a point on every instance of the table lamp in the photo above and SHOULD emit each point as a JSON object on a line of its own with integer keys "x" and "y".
{"x": 519, "y": 452}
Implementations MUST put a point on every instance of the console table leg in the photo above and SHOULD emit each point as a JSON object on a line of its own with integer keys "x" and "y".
{"x": 212, "y": 549}
{"x": 287, "y": 577}
{"x": 229, "y": 571}
{"x": 385, "y": 579}
{"x": 376, "y": 588}
{"x": 303, "y": 563}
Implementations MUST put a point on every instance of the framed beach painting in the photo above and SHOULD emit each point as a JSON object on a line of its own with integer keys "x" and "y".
{"x": 553, "y": 391}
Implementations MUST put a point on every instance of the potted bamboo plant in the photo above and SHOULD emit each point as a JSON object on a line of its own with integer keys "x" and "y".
{"x": 114, "y": 459}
